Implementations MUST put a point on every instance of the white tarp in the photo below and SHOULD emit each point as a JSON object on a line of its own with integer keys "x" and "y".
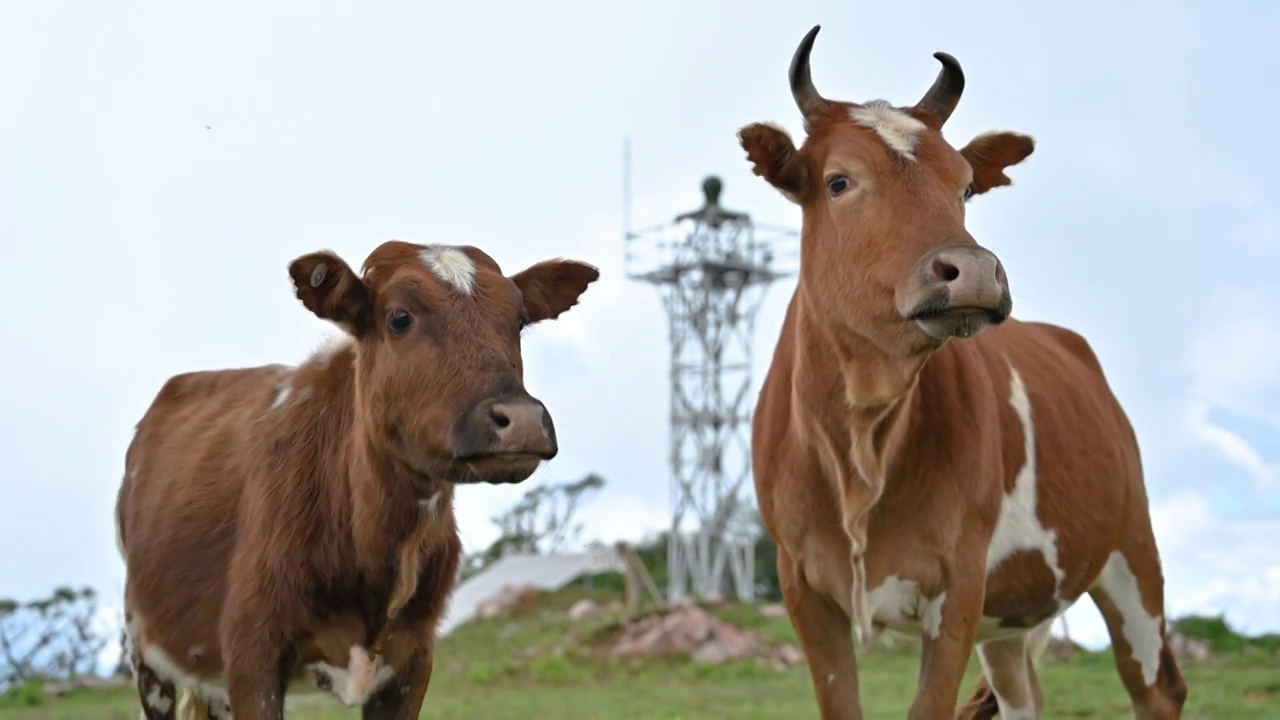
{"x": 545, "y": 572}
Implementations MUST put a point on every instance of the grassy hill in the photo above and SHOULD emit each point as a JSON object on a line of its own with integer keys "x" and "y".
{"x": 535, "y": 663}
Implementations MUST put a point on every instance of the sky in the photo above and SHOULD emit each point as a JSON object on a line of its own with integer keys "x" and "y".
{"x": 161, "y": 163}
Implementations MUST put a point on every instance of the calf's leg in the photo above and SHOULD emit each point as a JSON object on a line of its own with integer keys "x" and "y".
{"x": 402, "y": 697}
{"x": 159, "y": 696}
{"x": 256, "y": 659}
{"x": 193, "y": 707}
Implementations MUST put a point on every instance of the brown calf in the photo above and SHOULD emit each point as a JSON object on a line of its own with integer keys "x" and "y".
{"x": 968, "y": 490}
{"x": 278, "y": 522}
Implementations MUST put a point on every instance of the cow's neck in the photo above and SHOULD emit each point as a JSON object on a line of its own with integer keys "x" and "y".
{"x": 394, "y": 529}
{"x": 393, "y": 506}
{"x": 859, "y": 436}
{"x": 397, "y": 513}
{"x": 395, "y": 517}
{"x": 876, "y": 387}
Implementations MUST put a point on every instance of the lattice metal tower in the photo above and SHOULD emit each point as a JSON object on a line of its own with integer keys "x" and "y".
{"x": 712, "y": 268}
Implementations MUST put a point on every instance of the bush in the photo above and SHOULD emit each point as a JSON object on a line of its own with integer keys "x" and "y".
{"x": 28, "y": 694}
{"x": 1213, "y": 630}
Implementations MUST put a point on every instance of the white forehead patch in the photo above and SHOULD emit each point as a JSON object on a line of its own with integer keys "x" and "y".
{"x": 452, "y": 265}
{"x": 898, "y": 130}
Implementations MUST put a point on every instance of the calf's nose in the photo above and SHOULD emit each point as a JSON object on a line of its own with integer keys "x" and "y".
{"x": 506, "y": 426}
{"x": 521, "y": 427}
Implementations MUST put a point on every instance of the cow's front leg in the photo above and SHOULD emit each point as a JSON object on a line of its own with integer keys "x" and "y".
{"x": 257, "y": 657}
{"x": 401, "y": 698}
{"x": 950, "y": 627}
{"x": 826, "y": 635}
{"x": 255, "y": 684}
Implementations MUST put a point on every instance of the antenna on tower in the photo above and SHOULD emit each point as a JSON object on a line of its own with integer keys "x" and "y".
{"x": 626, "y": 200}
{"x": 626, "y": 186}
{"x": 712, "y": 268}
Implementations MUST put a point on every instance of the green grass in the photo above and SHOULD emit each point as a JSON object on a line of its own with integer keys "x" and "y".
{"x": 533, "y": 665}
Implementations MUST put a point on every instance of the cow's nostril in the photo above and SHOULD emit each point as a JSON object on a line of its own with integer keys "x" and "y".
{"x": 500, "y": 419}
{"x": 945, "y": 271}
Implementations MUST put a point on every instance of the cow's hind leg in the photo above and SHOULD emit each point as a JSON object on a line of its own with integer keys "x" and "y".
{"x": 1009, "y": 686}
{"x": 159, "y": 696}
{"x": 1130, "y": 595}
{"x": 191, "y": 706}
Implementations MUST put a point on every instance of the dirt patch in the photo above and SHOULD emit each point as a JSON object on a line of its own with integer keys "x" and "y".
{"x": 686, "y": 630}
{"x": 508, "y": 600}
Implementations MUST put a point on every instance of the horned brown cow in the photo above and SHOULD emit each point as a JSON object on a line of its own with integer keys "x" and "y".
{"x": 279, "y": 522}
{"x": 926, "y": 463}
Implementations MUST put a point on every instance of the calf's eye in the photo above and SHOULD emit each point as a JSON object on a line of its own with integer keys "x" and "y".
{"x": 399, "y": 321}
{"x": 837, "y": 185}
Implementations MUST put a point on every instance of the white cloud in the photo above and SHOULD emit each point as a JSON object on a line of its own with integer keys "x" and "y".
{"x": 1234, "y": 365}
{"x": 1234, "y": 448}
{"x": 608, "y": 516}
{"x": 623, "y": 516}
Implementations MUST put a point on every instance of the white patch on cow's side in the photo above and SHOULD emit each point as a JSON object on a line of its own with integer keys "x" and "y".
{"x": 1019, "y": 527}
{"x": 931, "y": 615}
{"x": 1141, "y": 630}
{"x": 158, "y": 701}
{"x": 898, "y": 130}
{"x": 285, "y": 393}
{"x": 432, "y": 506}
{"x": 898, "y": 605}
{"x": 211, "y": 690}
{"x": 359, "y": 680}
{"x": 451, "y": 265}
{"x": 282, "y": 395}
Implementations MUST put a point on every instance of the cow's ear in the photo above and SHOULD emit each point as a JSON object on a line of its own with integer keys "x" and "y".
{"x": 989, "y": 154}
{"x": 775, "y": 158}
{"x": 553, "y": 286}
{"x": 331, "y": 289}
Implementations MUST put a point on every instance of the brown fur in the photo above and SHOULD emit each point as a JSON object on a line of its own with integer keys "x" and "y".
{"x": 881, "y": 450}
{"x": 264, "y": 536}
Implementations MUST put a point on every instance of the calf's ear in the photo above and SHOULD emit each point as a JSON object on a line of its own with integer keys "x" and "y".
{"x": 775, "y": 158}
{"x": 331, "y": 289}
{"x": 989, "y": 154}
{"x": 553, "y": 286}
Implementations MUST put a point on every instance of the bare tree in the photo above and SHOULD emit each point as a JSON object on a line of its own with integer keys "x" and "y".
{"x": 541, "y": 522}
{"x": 51, "y": 638}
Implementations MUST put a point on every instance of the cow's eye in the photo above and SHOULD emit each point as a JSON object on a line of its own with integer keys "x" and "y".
{"x": 399, "y": 321}
{"x": 837, "y": 185}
